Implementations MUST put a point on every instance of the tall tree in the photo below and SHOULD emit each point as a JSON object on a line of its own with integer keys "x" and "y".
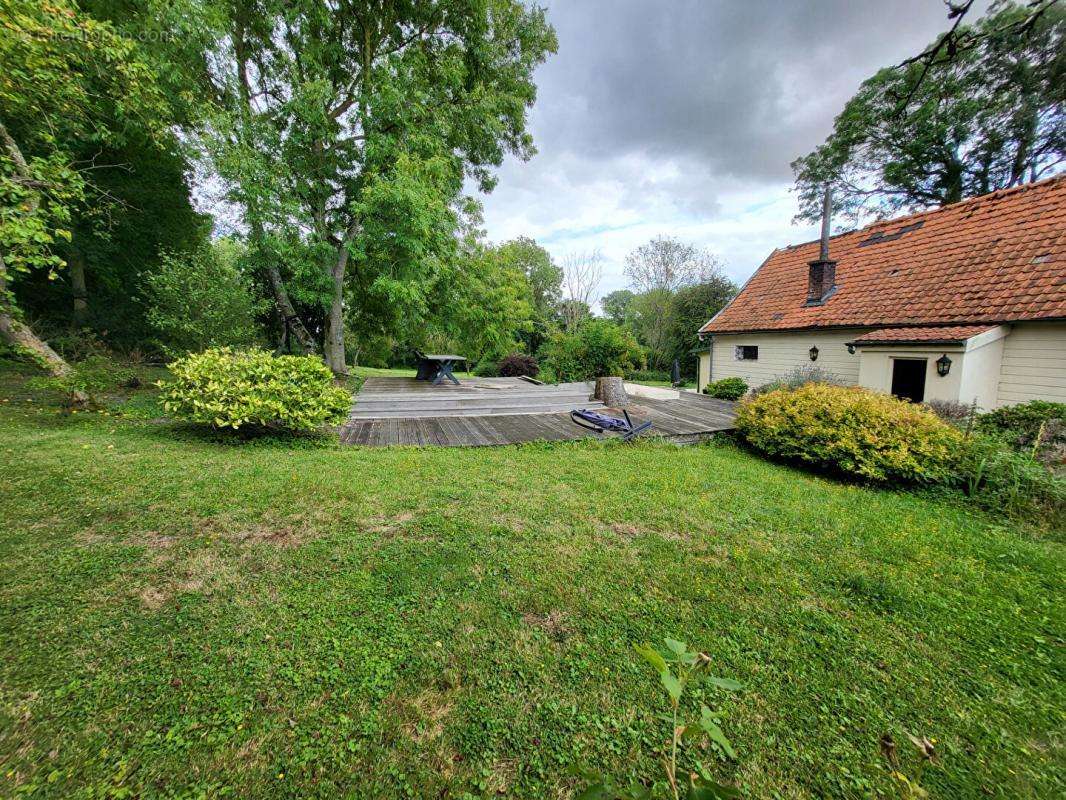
{"x": 692, "y": 306}
{"x": 945, "y": 127}
{"x": 582, "y": 273}
{"x": 545, "y": 284}
{"x": 667, "y": 264}
{"x": 657, "y": 270}
{"x": 65, "y": 79}
{"x": 618, "y": 306}
{"x": 491, "y": 303}
{"x": 345, "y": 116}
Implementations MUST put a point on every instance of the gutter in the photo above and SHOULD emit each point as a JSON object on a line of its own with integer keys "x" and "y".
{"x": 710, "y": 364}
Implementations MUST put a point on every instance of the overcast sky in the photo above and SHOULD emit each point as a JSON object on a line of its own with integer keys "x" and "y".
{"x": 681, "y": 117}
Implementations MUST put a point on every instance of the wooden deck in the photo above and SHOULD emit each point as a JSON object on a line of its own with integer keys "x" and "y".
{"x": 496, "y": 411}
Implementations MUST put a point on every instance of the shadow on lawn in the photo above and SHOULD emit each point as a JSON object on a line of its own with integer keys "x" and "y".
{"x": 245, "y": 436}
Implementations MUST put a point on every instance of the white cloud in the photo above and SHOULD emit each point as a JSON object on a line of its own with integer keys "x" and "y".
{"x": 682, "y": 118}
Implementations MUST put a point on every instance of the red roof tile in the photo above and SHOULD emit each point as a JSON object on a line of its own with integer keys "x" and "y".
{"x": 952, "y": 334}
{"x": 996, "y": 258}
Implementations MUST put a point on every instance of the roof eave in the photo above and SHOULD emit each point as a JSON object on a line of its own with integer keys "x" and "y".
{"x": 876, "y": 325}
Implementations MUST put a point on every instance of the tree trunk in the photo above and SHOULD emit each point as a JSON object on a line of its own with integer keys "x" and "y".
{"x": 285, "y": 307}
{"x": 277, "y": 285}
{"x": 20, "y": 336}
{"x": 13, "y": 330}
{"x": 76, "y": 262}
{"x": 611, "y": 392}
{"x": 335, "y": 326}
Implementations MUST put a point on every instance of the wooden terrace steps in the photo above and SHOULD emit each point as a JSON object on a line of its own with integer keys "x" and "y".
{"x": 475, "y": 397}
{"x": 495, "y": 411}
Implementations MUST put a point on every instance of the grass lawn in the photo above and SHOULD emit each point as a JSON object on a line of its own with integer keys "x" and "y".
{"x": 186, "y": 617}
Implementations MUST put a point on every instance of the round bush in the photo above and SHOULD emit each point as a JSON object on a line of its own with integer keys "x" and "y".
{"x": 518, "y": 364}
{"x": 864, "y": 434}
{"x": 486, "y": 368}
{"x": 727, "y": 388}
{"x": 228, "y": 388}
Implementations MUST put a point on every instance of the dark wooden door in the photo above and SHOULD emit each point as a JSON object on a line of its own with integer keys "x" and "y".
{"x": 908, "y": 378}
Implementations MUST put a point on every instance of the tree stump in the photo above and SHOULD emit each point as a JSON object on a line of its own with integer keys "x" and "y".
{"x": 611, "y": 392}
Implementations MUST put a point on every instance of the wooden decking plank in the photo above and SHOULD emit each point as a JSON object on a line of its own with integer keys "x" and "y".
{"x": 563, "y": 427}
{"x": 488, "y": 431}
{"x": 491, "y": 421}
{"x": 525, "y": 428}
{"x": 678, "y": 419}
{"x": 544, "y": 429}
{"x": 664, "y": 422}
{"x": 450, "y": 433}
{"x": 692, "y": 415}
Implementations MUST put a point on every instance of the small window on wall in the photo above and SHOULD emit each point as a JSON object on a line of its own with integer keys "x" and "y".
{"x": 746, "y": 352}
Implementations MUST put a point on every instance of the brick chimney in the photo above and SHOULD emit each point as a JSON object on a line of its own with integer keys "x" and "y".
{"x": 822, "y": 272}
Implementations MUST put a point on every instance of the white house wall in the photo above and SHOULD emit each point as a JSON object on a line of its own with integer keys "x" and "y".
{"x": 877, "y": 363}
{"x": 979, "y": 378}
{"x": 779, "y": 353}
{"x": 1011, "y": 364}
{"x": 1034, "y": 363}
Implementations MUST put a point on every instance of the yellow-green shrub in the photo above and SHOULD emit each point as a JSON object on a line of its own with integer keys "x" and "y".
{"x": 228, "y": 388}
{"x": 851, "y": 430}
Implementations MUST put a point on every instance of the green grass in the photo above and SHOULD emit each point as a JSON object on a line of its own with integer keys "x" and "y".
{"x": 186, "y": 616}
{"x": 382, "y": 372}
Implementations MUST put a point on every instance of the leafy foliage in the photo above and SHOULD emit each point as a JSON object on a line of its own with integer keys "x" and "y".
{"x": 679, "y": 669}
{"x": 545, "y": 279}
{"x": 1037, "y": 422}
{"x": 227, "y": 388}
{"x": 727, "y": 388}
{"x": 490, "y": 305}
{"x": 351, "y": 129}
{"x": 1001, "y": 478}
{"x": 692, "y": 307}
{"x": 597, "y": 348}
{"x": 517, "y": 364}
{"x": 487, "y": 368}
{"x": 65, "y": 78}
{"x": 201, "y": 300}
{"x": 668, "y": 309}
{"x": 857, "y": 432}
{"x": 951, "y": 411}
{"x": 644, "y": 375}
{"x": 618, "y": 306}
{"x": 986, "y": 118}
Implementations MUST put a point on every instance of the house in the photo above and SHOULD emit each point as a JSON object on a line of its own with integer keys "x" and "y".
{"x": 963, "y": 303}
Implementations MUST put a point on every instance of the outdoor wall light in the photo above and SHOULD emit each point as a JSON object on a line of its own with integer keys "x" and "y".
{"x": 813, "y": 353}
{"x": 851, "y": 349}
{"x": 943, "y": 365}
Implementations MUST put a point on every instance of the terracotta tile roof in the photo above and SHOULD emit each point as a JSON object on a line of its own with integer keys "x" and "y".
{"x": 995, "y": 258}
{"x": 951, "y": 334}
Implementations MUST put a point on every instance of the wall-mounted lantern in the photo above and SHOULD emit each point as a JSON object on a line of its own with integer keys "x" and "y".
{"x": 813, "y": 352}
{"x": 851, "y": 349}
{"x": 943, "y": 365}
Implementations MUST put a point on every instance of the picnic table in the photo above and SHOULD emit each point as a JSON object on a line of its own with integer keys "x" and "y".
{"x": 435, "y": 367}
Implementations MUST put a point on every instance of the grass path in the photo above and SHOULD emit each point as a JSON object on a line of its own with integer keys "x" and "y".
{"x": 183, "y": 617}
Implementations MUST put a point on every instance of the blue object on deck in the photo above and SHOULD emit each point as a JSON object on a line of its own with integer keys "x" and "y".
{"x": 601, "y": 423}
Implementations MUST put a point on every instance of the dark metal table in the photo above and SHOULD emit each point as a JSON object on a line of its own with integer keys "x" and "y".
{"x": 440, "y": 367}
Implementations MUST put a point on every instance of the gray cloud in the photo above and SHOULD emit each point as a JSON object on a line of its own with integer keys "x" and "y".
{"x": 683, "y": 116}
